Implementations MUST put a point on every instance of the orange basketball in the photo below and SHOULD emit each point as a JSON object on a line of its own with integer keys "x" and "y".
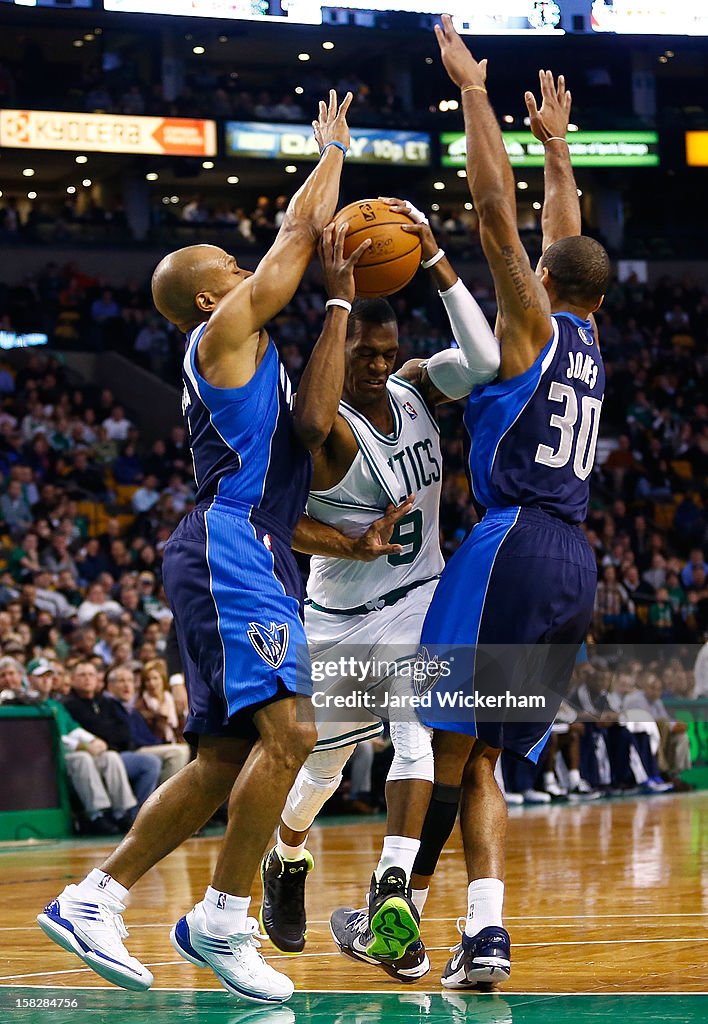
{"x": 393, "y": 256}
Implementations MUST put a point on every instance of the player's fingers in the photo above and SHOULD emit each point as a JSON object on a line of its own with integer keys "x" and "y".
{"x": 393, "y": 513}
{"x": 567, "y": 101}
{"x": 344, "y": 106}
{"x": 483, "y": 66}
{"x": 332, "y": 110}
{"x": 546, "y": 90}
{"x": 531, "y": 104}
{"x": 561, "y": 87}
{"x": 339, "y": 241}
{"x": 413, "y": 229}
{"x": 390, "y": 549}
{"x": 439, "y": 35}
{"x": 323, "y": 111}
{"x": 358, "y": 252}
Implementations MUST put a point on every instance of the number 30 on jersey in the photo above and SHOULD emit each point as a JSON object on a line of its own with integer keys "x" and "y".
{"x": 577, "y": 444}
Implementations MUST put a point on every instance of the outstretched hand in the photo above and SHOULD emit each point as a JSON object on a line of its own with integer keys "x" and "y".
{"x": 331, "y": 124}
{"x": 459, "y": 63}
{"x": 420, "y": 228}
{"x": 338, "y": 271}
{"x": 551, "y": 121}
{"x": 375, "y": 542}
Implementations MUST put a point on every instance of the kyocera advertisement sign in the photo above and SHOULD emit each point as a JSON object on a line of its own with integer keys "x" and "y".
{"x": 296, "y": 141}
{"x": 587, "y": 149}
{"x": 107, "y": 133}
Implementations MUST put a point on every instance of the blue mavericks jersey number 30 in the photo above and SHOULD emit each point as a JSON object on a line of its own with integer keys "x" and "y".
{"x": 534, "y": 436}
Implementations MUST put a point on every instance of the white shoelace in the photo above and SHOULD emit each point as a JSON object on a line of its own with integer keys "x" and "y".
{"x": 460, "y": 925}
{"x": 245, "y": 945}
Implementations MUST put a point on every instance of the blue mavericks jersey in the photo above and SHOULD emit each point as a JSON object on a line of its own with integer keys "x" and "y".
{"x": 534, "y": 436}
{"x": 243, "y": 440}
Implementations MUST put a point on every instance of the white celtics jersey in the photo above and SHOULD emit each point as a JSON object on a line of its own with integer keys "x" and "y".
{"x": 386, "y": 469}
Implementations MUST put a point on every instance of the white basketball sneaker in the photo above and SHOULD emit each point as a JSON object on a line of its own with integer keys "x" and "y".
{"x": 234, "y": 959}
{"x": 95, "y": 932}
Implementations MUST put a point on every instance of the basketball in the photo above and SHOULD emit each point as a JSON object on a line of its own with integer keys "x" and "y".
{"x": 393, "y": 256}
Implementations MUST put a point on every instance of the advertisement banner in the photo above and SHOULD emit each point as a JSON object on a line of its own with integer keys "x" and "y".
{"x": 587, "y": 149}
{"x": 107, "y": 133}
{"x": 296, "y": 142}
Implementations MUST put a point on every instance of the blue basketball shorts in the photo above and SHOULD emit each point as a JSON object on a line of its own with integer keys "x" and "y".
{"x": 237, "y": 595}
{"x": 508, "y": 616}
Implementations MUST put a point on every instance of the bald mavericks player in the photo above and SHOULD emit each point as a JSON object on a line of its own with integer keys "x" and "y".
{"x": 234, "y": 588}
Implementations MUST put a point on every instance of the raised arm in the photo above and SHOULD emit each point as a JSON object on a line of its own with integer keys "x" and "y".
{"x": 561, "y": 207}
{"x": 264, "y": 293}
{"x": 320, "y": 389}
{"x": 523, "y": 303}
{"x": 452, "y": 373}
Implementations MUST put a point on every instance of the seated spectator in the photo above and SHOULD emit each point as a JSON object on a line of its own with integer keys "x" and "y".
{"x": 96, "y": 773}
{"x": 105, "y": 717}
{"x": 155, "y": 702}
{"x": 15, "y": 510}
{"x": 615, "y": 612}
{"x": 96, "y": 601}
{"x": 661, "y": 617}
{"x": 645, "y": 703}
{"x": 696, "y": 561}
{"x": 120, "y": 686}
{"x": 117, "y": 426}
{"x": 147, "y": 496}
{"x": 127, "y": 468}
{"x": 105, "y": 307}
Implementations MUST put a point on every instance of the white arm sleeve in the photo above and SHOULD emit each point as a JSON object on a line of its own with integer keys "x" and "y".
{"x": 456, "y": 371}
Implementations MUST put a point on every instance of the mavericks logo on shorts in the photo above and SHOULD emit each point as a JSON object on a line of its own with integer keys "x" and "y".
{"x": 426, "y": 671}
{"x": 271, "y": 644}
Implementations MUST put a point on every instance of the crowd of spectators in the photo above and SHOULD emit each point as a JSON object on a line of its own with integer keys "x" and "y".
{"x": 87, "y": 504}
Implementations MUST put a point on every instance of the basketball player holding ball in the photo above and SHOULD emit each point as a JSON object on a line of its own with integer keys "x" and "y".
{"x": 383, "y": 452}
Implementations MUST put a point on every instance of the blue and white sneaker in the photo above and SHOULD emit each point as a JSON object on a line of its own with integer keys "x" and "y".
{"x": 95, "y": 932}
{"x": 484, "y": 957}
{"x": 656, "y": 784}
{"x": 234, "y": 959}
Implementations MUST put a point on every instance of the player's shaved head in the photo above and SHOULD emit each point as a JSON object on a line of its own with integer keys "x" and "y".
{"x": 579, "y": 268}
{"x": 187, "y": 283}
{"x": 369, "y": 311}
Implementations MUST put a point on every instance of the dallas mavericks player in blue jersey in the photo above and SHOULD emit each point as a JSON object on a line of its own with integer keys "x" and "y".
{"x": 525, "y": 576}
{"x": 234, "y": 587}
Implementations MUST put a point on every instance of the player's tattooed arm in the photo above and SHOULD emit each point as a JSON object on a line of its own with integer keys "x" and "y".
{"x": 311, "y": 537}
{"x": 524, "y": 306}
{"x": 560, "y": 217}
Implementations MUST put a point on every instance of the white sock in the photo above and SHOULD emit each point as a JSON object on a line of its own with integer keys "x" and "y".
{"x": 97, "y": 885}
{"x": 485, "y": 900}
{"x": 398, "y": 852}
{"x": 290, "y": 852}
{"x": 574, "y": 778}
{"x": 548, "y": 778}
{"x": 225, "y": 914}
{"x": 419, "y": 897}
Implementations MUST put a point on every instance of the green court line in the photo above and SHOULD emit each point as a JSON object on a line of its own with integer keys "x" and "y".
{"x": 168, "y": 1006}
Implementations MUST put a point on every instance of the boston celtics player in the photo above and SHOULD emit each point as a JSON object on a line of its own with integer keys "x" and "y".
{"x": 383, "y": 452}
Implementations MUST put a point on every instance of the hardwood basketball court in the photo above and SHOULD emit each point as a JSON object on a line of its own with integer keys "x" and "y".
{"x": 607, "y": 906}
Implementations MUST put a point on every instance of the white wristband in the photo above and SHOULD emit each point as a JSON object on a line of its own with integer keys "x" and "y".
{"x": 427, "y": 264}
{"x": 339, "y": 302}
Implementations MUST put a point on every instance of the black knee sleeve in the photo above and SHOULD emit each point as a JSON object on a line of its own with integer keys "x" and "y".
{"x": 439, "y": 823}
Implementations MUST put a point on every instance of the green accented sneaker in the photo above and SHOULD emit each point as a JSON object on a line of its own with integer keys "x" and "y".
{"x": 394, "y": 922}
{"x": 282, "y": 915}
